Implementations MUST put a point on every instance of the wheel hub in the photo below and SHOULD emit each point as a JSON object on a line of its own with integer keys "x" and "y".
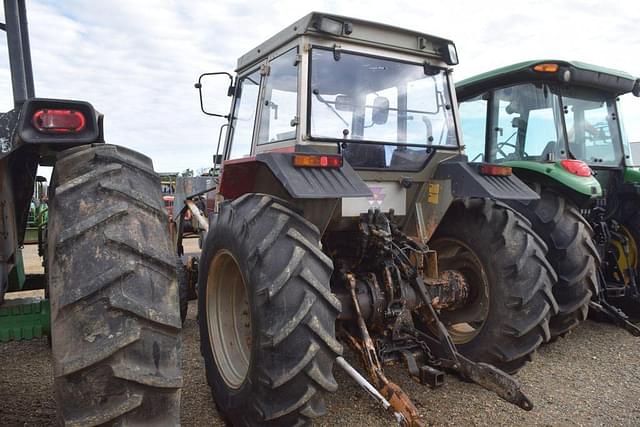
{"x": 228, "y": 319}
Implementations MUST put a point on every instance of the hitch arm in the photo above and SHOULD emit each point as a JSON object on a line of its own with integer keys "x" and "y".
{"x": 400, "y": 404}
{"x": 615, "y": 315}
{"x": 483, "y": 374}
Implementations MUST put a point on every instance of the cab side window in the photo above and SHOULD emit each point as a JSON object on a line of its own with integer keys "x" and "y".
{"x": 6, "y": 91}
{"x": 280, "y": 104}
{"x": 244, "y": 115}
{"x": 473, "y": 115}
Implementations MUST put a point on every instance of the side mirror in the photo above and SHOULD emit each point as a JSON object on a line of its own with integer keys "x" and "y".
{"x": 344, "y": 103}
{"x": 213, "y": 86}
{"x": 217, "y": 159}
{"x": 636, "y": 88}
{"x": 380, "y": 113}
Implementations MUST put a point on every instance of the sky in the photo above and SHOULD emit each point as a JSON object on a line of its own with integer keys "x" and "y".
{"x": 137, "y": 61}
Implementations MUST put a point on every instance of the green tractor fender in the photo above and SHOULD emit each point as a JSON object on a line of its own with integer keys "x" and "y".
{"x": 581, "y": 189}
{"x": 632, "y": 175}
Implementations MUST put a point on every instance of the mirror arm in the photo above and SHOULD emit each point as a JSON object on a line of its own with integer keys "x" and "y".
{"x": 226, "y": 125}
{"x": 198, "y": 86}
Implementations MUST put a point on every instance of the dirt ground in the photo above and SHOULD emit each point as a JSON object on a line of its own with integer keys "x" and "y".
{"x": 589, "y": 378}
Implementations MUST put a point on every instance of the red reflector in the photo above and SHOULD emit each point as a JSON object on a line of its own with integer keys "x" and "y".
{"x": 576, "y": 167}
{"x": 495, "y": 170}
{"x": 316, "y": 161}
{"x": 58, "y": 121}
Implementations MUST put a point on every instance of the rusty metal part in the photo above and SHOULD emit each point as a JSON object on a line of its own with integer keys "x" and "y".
{"x": 202, "y": 221}
{"x": 488, "y": 376}
{"x": 402, "y": 404}
{"x": 449, "y": 292}
{"x": 491, "y": 378}
{"x": 368, "y": 348}
{"x": 371, "y": 300}
{"x": 399, "y": 400}
{"x": 353, "y": 373}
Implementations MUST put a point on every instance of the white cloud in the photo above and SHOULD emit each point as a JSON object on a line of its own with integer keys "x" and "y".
{"x": 136, "y": 61}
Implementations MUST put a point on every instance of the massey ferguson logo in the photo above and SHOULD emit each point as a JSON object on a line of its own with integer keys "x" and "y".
{"x": 378, "y": 197}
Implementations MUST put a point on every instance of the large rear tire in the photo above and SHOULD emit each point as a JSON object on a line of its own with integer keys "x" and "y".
{"x": 510, "y": 281}
{"x": 572, "y": 254}
{"x": 114, "y": 300}
{"x": 266, "y": 314}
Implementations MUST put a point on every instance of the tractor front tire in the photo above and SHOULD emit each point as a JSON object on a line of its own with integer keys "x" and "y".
{"x": 112, "y": 284}
{"x": 266, "y": 314}
{"x": 510, "y": 282}
{"x": 572, "y": 254}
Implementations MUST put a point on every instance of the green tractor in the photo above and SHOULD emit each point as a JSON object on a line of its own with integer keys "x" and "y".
{"x": 38, "y": 215}
{"x": 557, "y": 125}
{"x": 110, "y": 301}
{"x": 346, "y": 212}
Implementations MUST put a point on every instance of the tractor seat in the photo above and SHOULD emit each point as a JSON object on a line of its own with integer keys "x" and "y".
{"x": 550, "y": 148}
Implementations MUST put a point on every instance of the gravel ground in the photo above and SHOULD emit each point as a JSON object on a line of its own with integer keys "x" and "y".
{"x": 591, "y": 377}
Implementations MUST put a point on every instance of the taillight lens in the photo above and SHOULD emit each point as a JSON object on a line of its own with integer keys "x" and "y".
{"x": 495, "y": 170}
{"x": 317, "y": 161}
{"x": 576, "y": 167}
{"x": 58, "y": 121}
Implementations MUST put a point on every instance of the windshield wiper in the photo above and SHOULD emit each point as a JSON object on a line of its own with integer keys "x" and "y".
{"x": 316, "y": 92}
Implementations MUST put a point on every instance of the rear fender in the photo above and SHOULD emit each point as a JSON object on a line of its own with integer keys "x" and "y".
{"x": 455, "y": 178}
{"x": 314, "y": 191}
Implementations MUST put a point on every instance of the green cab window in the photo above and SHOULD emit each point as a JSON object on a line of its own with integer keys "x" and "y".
{"x": 474, "y": 126}
{"x": 526, "y": 124}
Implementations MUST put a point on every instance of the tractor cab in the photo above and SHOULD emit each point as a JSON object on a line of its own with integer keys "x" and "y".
{"x": 376, "y": 99}
{"x": 558, "y": 125}
{"x": 377, "y": 94}
{"x": 558, "y": 119}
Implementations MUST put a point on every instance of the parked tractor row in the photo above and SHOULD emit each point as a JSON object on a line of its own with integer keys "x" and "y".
{"x": 348, "y": 213}
{"x": 342, "y": 209}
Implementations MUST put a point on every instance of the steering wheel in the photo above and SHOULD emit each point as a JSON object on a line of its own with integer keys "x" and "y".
{"x": 508, "y": 144}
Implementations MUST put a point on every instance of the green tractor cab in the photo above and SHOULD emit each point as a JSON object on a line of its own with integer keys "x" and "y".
{"x": 556, "y": 123}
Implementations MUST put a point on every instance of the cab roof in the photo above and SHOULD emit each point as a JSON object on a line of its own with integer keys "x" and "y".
{"x": 360, "y": 31}
{"x": 579, "y": 73}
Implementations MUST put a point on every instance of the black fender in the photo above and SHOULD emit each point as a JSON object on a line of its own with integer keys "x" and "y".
{"x": 243, "y": 176}
{"x": 466, "y": 181}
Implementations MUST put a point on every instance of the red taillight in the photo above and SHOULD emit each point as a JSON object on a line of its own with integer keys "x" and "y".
{"x": 58, "y": 121}
{"x": 576, "y": 167}
{"x": 317, "y": 161}
{"x": 495, "y": 170}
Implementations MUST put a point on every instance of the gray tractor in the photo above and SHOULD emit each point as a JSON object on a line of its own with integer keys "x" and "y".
{"x": 111, "y": 300}
{"x": 347, "y": 213}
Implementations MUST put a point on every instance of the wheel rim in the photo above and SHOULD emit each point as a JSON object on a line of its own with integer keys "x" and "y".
{"x": 465, "y": 324}
{"x": 228, "y": 319}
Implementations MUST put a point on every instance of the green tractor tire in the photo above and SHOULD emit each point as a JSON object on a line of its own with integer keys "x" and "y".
{"x": 112, "y": 284}
{"x": 572, "y": 253}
